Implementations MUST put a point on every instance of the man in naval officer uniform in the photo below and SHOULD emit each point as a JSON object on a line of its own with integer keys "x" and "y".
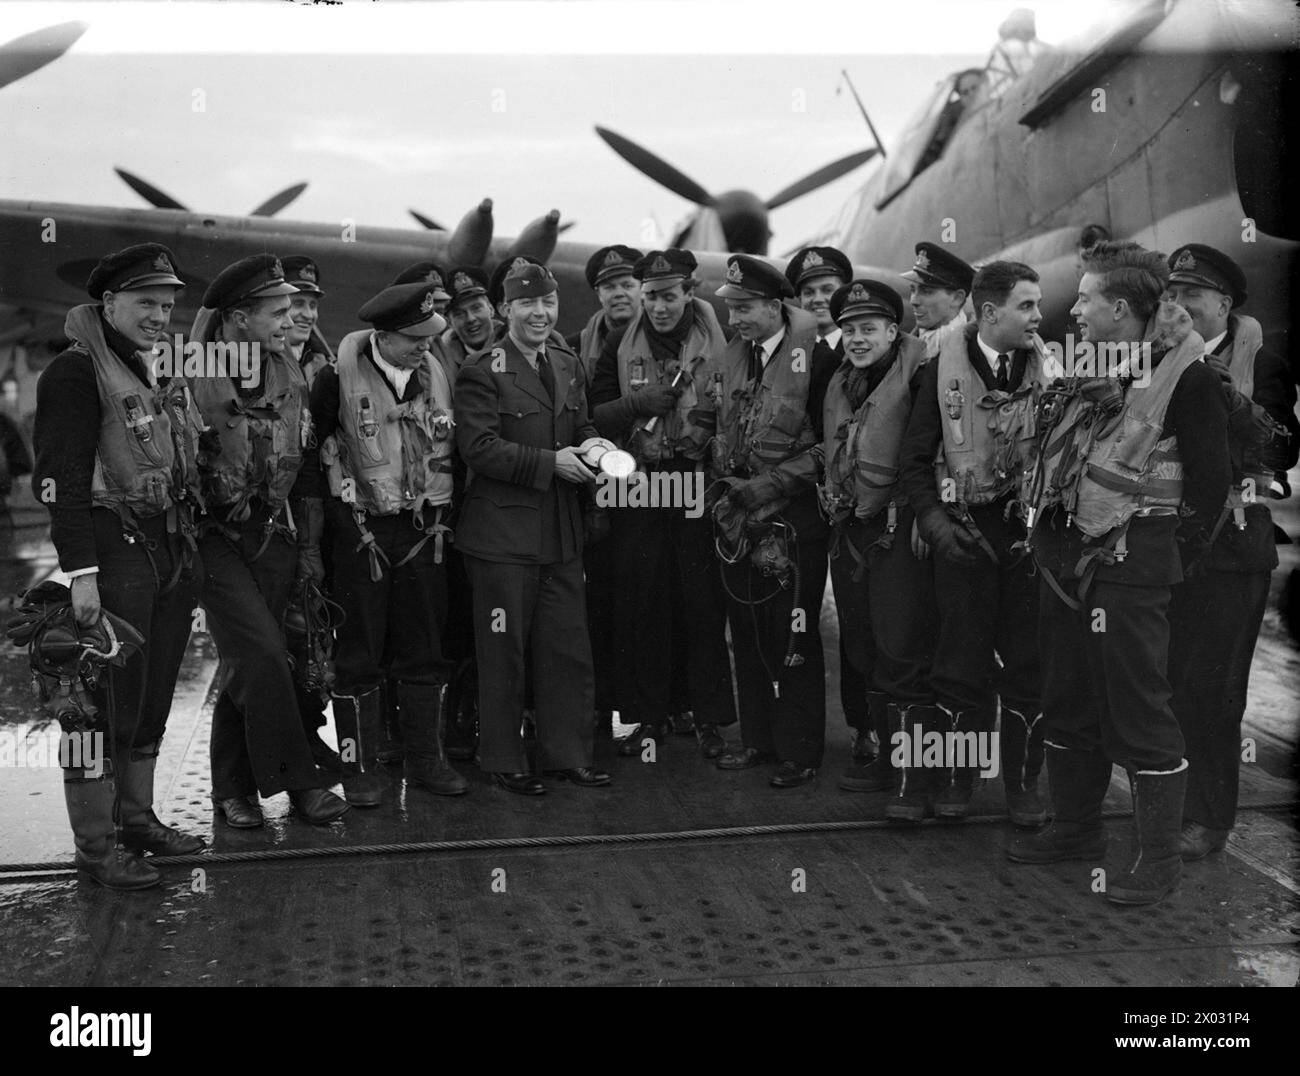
{"x": 1134, "y": 472}
{"x": 652, "y": 395}
{"x": 116, "y": 446}
{"x": 815, "y": 274}
{"x": 249, "y": 544}
{"x": 884, "y": 591}
{"x": 940, "y": 285}
{"x": 975, "y": 413}
{"x": 308, "y": 347}
{"x": 1215, "y": 613}
{"x": 384, "y": 421}
{"x": 609, "y": 274}
{"x": 768, "y": 454}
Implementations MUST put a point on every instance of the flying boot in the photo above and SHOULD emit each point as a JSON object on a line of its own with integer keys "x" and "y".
{"x": 423, "y": 711}
{"x": 1021, "y": 744}
{"x": 358, "y": 720}
{"x": 1078, "y": 781}
{"x": 142, "y": 831}
{"x": 90, "y": 810}
{"x": 1157, "y": 822}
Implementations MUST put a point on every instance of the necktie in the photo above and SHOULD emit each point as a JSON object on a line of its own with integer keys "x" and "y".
{"x": 546, "y": 374}
{"x": 1004, "y": 372}
{"x": 755, "y": 360}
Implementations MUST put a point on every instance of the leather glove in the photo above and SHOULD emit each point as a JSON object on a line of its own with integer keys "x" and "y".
{"x": 309, "y": 516}
{"x": 951, "y": 541}
{"x": 655, "y": 399}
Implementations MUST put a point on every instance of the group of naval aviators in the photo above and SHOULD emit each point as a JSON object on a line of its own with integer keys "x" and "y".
{"x": 1077, "y": 564}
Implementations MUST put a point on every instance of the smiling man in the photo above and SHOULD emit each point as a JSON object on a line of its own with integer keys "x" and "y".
{"x": 653, "y": 396}
{"x": 975, "y": 413}
{"x": 116, "y": 448}
{"x": 1134, "y": 476}
{"x": 1215, "y": 614}
{"x": 249, "y": 548}
{"x": 306, "y": 503}
{"x": 610, "y": 275}
{"x": 522, "y": 424}
{"x": 768, "y": 453}
{"x": 884, "y": 591}
{"x": 385, "y": 421}
{"x": 815, "y": 274}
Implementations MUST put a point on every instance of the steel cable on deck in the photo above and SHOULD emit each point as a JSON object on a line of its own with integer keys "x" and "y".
{"x": 13, "y": 872}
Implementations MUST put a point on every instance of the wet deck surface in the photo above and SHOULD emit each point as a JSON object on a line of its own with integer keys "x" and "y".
{"x": 928, "y": 905}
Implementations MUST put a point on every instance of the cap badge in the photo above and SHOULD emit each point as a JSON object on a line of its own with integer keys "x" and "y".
{"x": 922, "y": 260}
{"x": 276, "y": 268}
{"x": 735, "y": 275}
{"x": 461, "y": 281}
{"x": 1185, "y": 263}
{"x": 859, "y": 294}
{"x": 162, "y": 264}
{"x": 613, "y": 258}
{"x": 813, "y": 258}
{"x": 426, "y": 304}
{"x": 660, "y": 265}
{"x": 308, "y": 272}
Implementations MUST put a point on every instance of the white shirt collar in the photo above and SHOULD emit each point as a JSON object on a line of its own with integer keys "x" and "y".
{"x": 989, "y": 353}
{"x": 397, "y": 377}
{"x": 1210, "y": 345}
{"x": 832, "y": 338}
{"x": 770, "y": 345}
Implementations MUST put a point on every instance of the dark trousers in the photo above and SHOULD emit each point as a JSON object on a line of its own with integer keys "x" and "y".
{"x": 537, "y": 609}
{"x": 1214, "y": 621}
{"x": 258, "y": 740}
{"x": 854, "y": 686}
{"x": 393, "y": 624}
{"x": 128, "y": 587}
{"x": 885, "y": 606}
{"x": 1104, "y": 675}
{"x": 987, "y": 608}
{"x": 659, "y": 552}
{"x": 601, "y": 587}
{"x": 789, "y": 721}
{"x": 311, "y": 704}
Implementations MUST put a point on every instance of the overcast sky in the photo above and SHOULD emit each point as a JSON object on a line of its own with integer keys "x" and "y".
{"x": 381, "y": 107}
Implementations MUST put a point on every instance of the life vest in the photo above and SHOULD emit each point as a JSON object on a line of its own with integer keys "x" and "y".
{"x": 680, "y": 430}
{"x": 1245, "y": 416}
{"x": 768, "y": 425}
{"x": 989, "y": 435}
{"x": 316, "y": 361}
{"x": 1106, "y": 470}
{"x": 590, "y": 342}
{"x": 397, "y": 455}
{"x": 262, "y": 437}
{"x": 862, "y": 447}
{"x": 145, "y": 459}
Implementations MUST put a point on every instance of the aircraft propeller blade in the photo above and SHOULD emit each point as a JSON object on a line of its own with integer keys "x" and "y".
{"x": 428, "y": 222}
{"x": 277, "y": 202}
{"x": 821, "y": 177}
{"x": 30, "y": 52}
{"x": 538, "y": 238}
{"x": 473, "y": 235}
{"x": 148, "y": 191}
{"x": 565, "y": 226}
{"x": 656, "y": 168}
